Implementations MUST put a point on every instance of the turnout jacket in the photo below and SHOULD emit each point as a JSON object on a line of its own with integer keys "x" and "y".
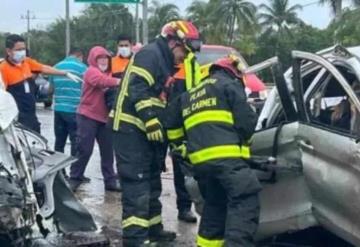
{"x": 140, "y": 97}
{"x": 187, "y": 76}
{"x": 214, "y": 118}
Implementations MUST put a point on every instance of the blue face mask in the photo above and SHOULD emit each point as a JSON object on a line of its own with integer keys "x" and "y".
{"x": 19, "y": 56}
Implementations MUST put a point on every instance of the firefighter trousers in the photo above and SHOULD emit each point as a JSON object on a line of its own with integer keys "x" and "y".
{"x": 139, "y": 165}
{"x": 231, "y": 211}
{"x": 183, "y": 200}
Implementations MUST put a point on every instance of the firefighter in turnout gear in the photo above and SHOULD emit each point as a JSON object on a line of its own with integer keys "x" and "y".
{"x": 187, "y": 77}
{"x": 217, "y": 121}
{"x": 139, "y": 139}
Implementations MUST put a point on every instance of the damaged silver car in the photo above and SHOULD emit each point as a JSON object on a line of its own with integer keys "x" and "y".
{"x": 37, "y": 207}
{"x": 307, "y": 147}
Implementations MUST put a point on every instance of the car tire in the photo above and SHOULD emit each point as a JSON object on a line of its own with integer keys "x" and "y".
{"x": 47, "y": 104}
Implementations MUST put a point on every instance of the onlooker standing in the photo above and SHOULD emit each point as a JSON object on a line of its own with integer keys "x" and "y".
{"x": 118, "y": 65}
{"x": 123, "y": 55}
{"x": 92, "y": 118}
{"x": 67, "y": 98}
{"x": 17, "y": 70}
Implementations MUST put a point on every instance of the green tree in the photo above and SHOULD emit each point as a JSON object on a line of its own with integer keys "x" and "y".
{"x": 304, "y": 38}
{"x": 99, "y": 24}
{"x": 2, "y": 44}
{"x": 160, "y": 14}
{"x": 277, "y": 18}
{"x": 337, "y": 6}
{"x": 279, "y": 15}
{"x": 232, "y": 17}
{"x": 198, "y": 12}
{"x": 347, "y": 30}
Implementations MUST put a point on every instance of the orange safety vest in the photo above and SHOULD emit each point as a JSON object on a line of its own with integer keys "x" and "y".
{"x": 118, "y": 66}
{"x": 13, "y": 74}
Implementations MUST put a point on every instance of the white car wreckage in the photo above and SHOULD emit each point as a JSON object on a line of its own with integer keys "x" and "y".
{"x": 37, "y": 208}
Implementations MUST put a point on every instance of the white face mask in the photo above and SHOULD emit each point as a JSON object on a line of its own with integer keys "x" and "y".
{"x": 103, "y": 67}
{"x": 124, "y": 51}
{"x": 19, "y": 56}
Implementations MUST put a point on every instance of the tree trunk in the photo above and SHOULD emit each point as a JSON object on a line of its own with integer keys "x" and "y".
{"x": 337, "y": 9}
{"x": 232, "y": 28}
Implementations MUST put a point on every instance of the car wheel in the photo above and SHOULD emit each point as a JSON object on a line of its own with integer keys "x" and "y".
{"x": 47, "y": 104}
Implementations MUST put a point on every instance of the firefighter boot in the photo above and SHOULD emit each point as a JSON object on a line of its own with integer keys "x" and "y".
{"x": 162, "y": 236}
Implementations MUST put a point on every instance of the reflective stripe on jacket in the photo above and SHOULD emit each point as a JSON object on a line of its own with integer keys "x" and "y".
{"x": 143, "y": 82}
{"x": 215, "y": 119}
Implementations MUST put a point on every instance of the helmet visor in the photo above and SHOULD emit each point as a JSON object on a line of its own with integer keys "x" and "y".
{"x": 193, "y": 45}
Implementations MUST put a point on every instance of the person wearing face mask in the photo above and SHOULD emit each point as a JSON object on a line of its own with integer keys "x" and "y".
{"x": 123, "y": 55}
{"x": 118, "y": 65}
{"x": 17, "y": 71}
{"x": 139, "y": 138}
{"x": 92, "y": 116}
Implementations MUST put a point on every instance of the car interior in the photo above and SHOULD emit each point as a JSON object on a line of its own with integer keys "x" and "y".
{"x": 328, "y": 105}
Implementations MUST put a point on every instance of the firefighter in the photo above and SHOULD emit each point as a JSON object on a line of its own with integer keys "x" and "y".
{"x": 187, "y": 77}
{"x": 139, "y": 138}
{"x": 217, "y": 123}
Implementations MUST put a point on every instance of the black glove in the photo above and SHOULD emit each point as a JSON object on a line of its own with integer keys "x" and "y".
{"x": 154, "y": 130}
{"x": 179, "y": 150}
{"x": 110, "y": 97}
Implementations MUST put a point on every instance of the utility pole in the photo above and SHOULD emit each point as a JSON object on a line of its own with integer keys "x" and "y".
{"x": 137, "y": 24}
{"x": 67, "y": 28}
{"x": 145, "y": 22}
{"x": 28, "y": 18}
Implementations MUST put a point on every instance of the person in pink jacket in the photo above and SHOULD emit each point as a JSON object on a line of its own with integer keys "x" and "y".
{"x": 91, "y": 120}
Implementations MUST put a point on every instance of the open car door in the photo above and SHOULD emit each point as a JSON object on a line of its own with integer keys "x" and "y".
{"x": 328, "y": 134}
{"x": 285, "y": 200}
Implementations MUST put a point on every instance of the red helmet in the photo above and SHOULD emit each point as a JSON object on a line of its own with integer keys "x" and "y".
{"x": 185, "y": 32}
{"x": 231, "y": 63}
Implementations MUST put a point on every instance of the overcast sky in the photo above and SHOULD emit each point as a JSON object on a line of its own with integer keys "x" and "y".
{"x": 46, "y": 11}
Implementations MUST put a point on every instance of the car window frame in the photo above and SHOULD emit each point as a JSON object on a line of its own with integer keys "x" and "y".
{"x": 300, "y": 96}
{"x": 278, "y": 107}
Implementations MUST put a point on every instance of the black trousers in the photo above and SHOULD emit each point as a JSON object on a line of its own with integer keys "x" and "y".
{"x": 231, "y": 211}
{"x": 89, "y": 130}
{"x": 183, "y": 200}
{"x": 30, "y": 121}
{"x": 64, "y": 127}
{"x": 139, "y": 166}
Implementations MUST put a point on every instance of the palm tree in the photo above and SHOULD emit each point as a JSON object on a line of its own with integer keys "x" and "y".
{"x": 107, "y": 21}
{"x": 336, "y": 6}
{"x": 279, "y": 15}
{"x": 160, "y": 14}
{"x": 198, "y": 12}
{"x": 232, "y": 14}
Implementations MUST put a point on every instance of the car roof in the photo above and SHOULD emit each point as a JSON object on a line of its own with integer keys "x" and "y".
{"x": 217, "y": 47}
{"x": 355, "y": 50}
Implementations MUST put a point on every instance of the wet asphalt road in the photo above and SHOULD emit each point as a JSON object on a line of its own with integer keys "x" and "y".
{"x": 106, "y": 206}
